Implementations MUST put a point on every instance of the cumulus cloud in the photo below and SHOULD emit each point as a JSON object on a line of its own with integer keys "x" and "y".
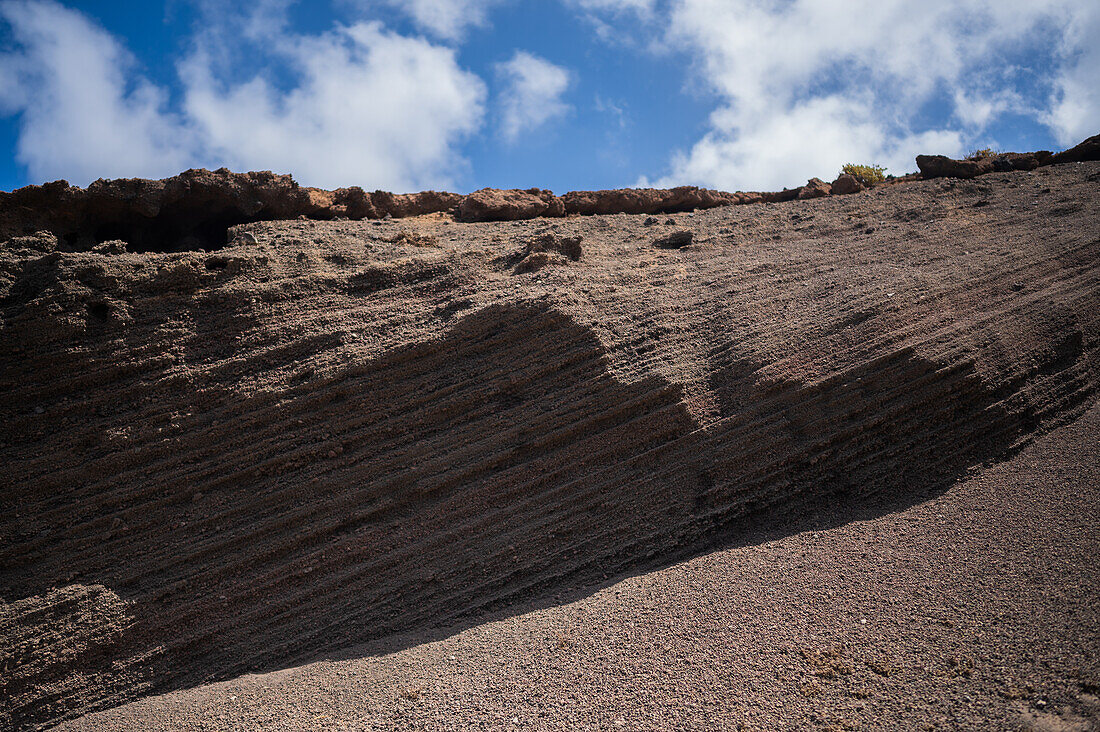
{"x": 532, "y": 94}
{"x": 371, "y": 105}
{"x": 1075, "y": 107}
{"x": 808, "y": 85}
{"x": 367, "y": 106}
{"x": 815, "y": 137}
{"x": 85, "y": 110}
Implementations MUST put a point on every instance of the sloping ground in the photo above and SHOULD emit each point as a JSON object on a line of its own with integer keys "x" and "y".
{"x": 974, "y": 610}
{"x": 217, "y": 463}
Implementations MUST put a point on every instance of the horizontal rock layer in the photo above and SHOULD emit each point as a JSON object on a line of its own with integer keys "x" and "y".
{"x": 193, "y": 210}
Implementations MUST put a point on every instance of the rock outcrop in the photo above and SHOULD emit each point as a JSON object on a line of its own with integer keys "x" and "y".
{"x": 493, "y": 204}
{"x": 845, "y": 184}
{"x": 814, "y": 188}
{"x": 647, "y": 200}
{"x": 195, "y": 205}
{"x": 1087, "y": 150}
{"x": 940, "y": 166}
{"x": 355, "y": 203}
{"x": 193, "y": 210}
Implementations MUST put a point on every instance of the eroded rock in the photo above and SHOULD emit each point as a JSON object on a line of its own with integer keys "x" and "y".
{"x": 493, "y": 204}
{"x": 1087, "y": 150}
{"x": 814, "y": 188}
{"x": 940, "y": 166}
{"x": 675, "y": 240}
{"x": 845, "y": 184}
{"x": 646, "y": 200}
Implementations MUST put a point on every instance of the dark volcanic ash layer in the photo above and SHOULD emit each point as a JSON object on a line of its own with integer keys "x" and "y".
{"x": 327, "y": 432}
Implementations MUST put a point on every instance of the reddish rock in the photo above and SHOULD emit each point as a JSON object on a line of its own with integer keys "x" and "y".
{"x": 814, "y": 188}
{"x": 56, "y": 207}
{"x": 402, "y": 205}
{"x": 845, "y": 184}
{"x": 1087, "y": 150}
{"x": 939, "y": 166}
{"x": 152, "y": 214}
{"x": 353, "y": 203}
{"x": 787, "y": 194}
{"x": 646, "y": 200}
{"x": 493, "y": 204}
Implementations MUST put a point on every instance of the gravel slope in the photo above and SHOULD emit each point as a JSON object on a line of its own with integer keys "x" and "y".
{"x": 976, "y": 609}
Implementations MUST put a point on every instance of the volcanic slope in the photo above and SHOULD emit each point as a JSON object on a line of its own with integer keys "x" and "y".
{"x": 330, "y": 432}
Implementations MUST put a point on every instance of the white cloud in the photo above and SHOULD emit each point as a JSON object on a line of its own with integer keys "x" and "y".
{"x": 368, "y": 107}
{"x": 783, "y": 148}
{"x": 372, "y": 108}
{"x": 1075, "y": 109}
{"x": 807, "y": 85}
{"x": 85, "y": 113}
{"x": 446, "y": 19}
{"x": 532, "y": 93}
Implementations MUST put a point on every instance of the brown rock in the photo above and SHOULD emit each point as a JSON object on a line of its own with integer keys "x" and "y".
{"x": 939, "y": 166}
{"x": 153, "y": 214}
{"x": 402, "y": 205}
{"x": 645, "y": 200}
{"x": 814, "y": 188}
{"x": 675, "y": 240}
{"x": 537, "y": 260}
{"x": 493, "y": 204}
{"x": 845, "y": 184}
{"x": 1087, "y": 150}
{"x": 787, "y": 194}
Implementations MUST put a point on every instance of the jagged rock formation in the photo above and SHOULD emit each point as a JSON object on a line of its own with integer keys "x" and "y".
{"x": 335, "y": 430}
{"x": 193, "y": 210}
{"x": 939, "y": 166}
{"x": 1079, "y": 153}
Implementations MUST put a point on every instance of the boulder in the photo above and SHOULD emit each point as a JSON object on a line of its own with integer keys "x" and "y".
{"x": 941, "y": 166}
{"x": 675, "y": 240}
{"x": 814, "y": 188}
{"x": 845, "y": 184}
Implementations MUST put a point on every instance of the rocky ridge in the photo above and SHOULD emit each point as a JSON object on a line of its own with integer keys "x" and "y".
{"x": 192, "y": 210}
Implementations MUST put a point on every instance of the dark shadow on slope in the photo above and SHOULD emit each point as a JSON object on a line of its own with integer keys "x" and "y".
{"x": 499, "y": 469}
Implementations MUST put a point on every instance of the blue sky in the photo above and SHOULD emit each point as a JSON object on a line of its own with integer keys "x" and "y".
{"x": 561, "y": 94}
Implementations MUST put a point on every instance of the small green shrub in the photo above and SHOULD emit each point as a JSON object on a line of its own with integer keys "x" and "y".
{"x": 868, "y": 175}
